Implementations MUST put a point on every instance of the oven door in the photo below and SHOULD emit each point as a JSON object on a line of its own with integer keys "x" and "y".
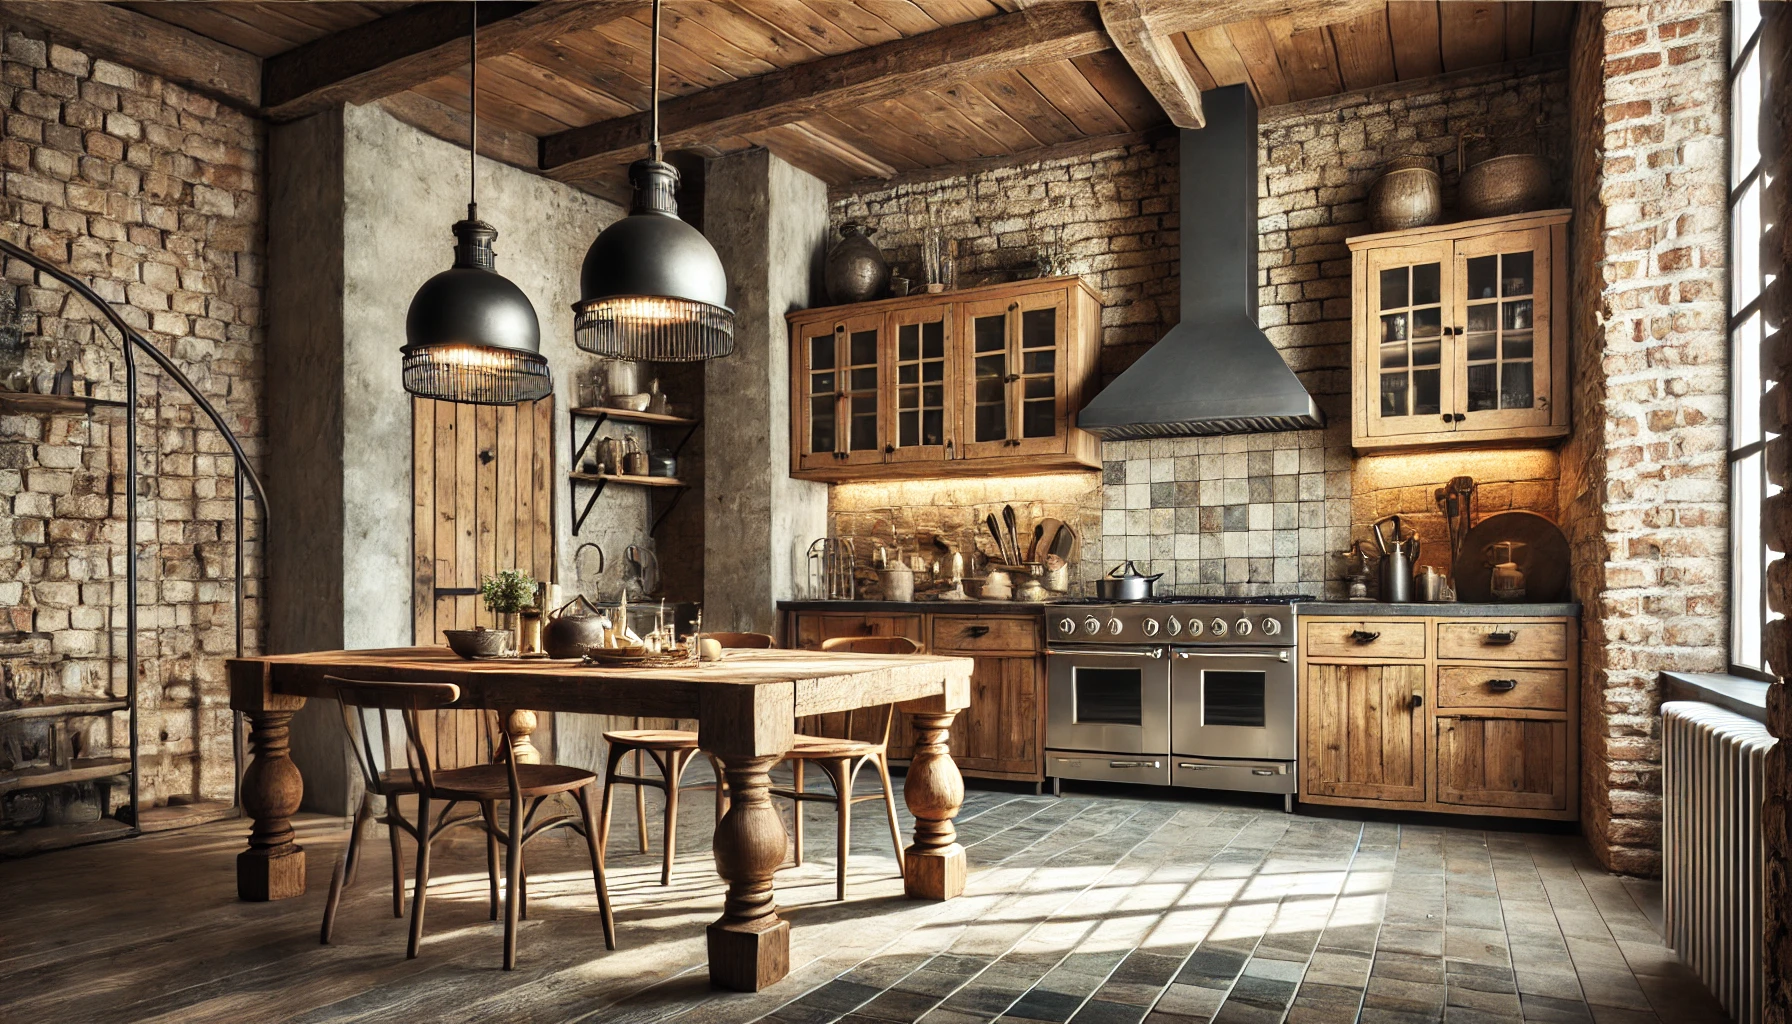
{"x": 1233, "y": 703}
{"x": 1108, "y": 700}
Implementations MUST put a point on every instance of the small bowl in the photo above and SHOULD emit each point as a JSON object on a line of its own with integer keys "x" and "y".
{"x": 478, "y": 643}
{"x": 633, "y": 403}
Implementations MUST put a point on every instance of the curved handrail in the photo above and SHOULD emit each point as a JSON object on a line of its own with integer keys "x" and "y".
{"x": 161, "y": 358}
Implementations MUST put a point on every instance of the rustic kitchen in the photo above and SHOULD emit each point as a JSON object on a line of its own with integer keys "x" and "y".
{"x": 1263, "y": 510}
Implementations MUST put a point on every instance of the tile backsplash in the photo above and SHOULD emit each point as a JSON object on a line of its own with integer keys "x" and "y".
{"x": 1241, "y": 515}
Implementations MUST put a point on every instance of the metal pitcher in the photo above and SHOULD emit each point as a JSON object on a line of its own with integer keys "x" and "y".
{"x": 1398, "y": 556}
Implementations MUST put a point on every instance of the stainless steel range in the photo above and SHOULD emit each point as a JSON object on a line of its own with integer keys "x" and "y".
{"x": 1184, "y": 691}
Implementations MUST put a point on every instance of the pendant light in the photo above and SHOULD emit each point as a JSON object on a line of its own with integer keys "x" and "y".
{"x": 652, "y": 286}
{"x": 471, "y": 334}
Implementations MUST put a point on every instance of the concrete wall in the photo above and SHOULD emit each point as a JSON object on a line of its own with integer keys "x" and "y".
{"x": 768, "y": 222}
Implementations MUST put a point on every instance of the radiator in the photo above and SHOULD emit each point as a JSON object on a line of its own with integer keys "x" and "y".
{"x": 1714, "y": 764}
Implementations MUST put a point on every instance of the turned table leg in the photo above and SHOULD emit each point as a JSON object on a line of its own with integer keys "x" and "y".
{"x": 749, "y": 947}
{"x": 521, "y": 726}
{"x": 273, "y": 867}
{"x": 934, "y": 867}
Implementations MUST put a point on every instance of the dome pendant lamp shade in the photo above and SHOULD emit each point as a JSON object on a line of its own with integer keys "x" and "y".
{"x": 652, "y": 286}
{"x": 472, "y": 335}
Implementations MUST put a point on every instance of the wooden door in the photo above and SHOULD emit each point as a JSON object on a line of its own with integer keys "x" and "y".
{"x": 482, "y": 501}
{"x": 1507, "y": 763}
{"x": 922, "y": 408}
{"x": 1406, "y": 380}
{"x": 985, "y": 372}
{"x": 1039, "y": 392}
{"x": 1502, "y": 307}
{"x": 1364, "y": 738}
{"x": 998, "y": 733}
{"x": 815, "y": 401}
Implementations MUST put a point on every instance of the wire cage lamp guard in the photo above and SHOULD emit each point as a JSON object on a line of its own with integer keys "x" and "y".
{"x": 132, "y": 343}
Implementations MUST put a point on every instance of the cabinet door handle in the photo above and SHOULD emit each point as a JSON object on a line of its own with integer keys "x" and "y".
{"x": 1011, "y": 378}
{"x": 1461, "y": 416}
{"x": 1418, "y": 701}
{"x": 889, "y": 449}
{"x": 1503, "y": 638}
{"x": 976, "y": 631}
{"x": 1449, "y": 418}
{"x": 1363, "y": 636}
{"x": 1502, "y": 685}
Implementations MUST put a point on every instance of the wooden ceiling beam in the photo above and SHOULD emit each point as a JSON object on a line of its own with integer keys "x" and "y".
{"x": 1153, "y": 57}
{"x": 889, "y": 70}
{"x": 1169, "y": 16}
{"x": 183, "y": 57}
{"x": 415, "y": 45}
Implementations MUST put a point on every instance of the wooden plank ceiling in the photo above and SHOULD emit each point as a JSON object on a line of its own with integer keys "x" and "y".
{"x": 572, "y": 79}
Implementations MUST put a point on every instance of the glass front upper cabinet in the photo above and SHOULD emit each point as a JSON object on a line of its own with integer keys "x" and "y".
{"x": 1454, "y": 337}
{"x": 1016, "y": 393}
{"x": 842, "y": 416}
{"x": 921, "y": 412}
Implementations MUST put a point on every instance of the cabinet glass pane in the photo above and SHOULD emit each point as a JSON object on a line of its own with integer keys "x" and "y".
{"x": 1499, "y": 345}
{"x": 1411, "y": 339}
{"x": 864, "y": 423}
{"x": 862, "y": 390}
{"x": 989, "y": 368}
{"x": 920, "y": 367}
{"x": 1038, "y": 360}
{"x": 821, "y": 352}
{"x": 991, "y": 333}
{"x": 822, "y": 410}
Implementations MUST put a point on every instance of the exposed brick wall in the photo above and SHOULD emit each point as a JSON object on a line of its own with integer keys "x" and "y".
{"x": 1644, "y": 483}
{"x": 151, "y": 194}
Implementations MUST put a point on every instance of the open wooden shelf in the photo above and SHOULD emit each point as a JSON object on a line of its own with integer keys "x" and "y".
{"x": 631, "y": 416}
{"x": 19, "y": 842}
{"x": 62, "y": 707}
{"x": 17, "y": 402}
{"x": 80, "y": 769}
{"x": 633, "y": 481}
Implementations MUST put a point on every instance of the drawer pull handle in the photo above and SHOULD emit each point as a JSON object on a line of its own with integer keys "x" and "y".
{"x": 976, "y": 631}
{"x": 1135, "y": 764}
{"x": 1363, "y": 636}
{"x": 1500, "y": 639}
{"x": 1502, "y": 685}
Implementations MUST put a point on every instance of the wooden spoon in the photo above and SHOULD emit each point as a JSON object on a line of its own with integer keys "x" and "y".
{"x": 1047, "y": 532}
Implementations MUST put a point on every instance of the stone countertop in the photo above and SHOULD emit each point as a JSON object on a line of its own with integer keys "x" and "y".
{"x": 1442, "y": 609}
{"x": 917, "y": 607}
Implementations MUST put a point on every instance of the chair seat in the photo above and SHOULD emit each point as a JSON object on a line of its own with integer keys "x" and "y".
{"x": 492, "y": 781}
{"x": 653, "y": 739}
{"x": 816, "y": 748}
{"x": 394, "y": 782}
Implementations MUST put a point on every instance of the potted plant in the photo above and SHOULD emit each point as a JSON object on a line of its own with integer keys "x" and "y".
{"x": 506, "y": 595}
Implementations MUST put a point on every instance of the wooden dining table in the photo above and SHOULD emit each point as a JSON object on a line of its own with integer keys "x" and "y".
{"x": 746, "y": 707}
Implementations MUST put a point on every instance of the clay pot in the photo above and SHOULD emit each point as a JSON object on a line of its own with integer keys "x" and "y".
{"x": 1515, "y": 183}
{"x": 856, "y": 271}
{"x": 1409, "y": 194}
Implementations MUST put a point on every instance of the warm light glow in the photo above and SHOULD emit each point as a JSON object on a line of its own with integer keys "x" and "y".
{"x": 471, "y": 357}
{"x": 648, "y": 309}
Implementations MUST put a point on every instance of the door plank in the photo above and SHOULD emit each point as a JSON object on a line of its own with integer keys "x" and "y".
{"x": 423, "y": 531}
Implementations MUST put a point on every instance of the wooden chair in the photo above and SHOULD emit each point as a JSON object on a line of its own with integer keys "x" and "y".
{"x": 841, "y": 758}
{"x": 671, "y": 751}
{"x": 365, "y": 707}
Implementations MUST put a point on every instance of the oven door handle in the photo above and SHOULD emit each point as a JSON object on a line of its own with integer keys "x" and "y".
{"x": 1155, "y": 652}
{"x": 1281, "y": 656}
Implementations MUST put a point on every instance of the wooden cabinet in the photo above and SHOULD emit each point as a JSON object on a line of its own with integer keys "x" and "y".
{"x": 1456, "y": 335}
{"x": 1001, "y": 735}
{"x": 977, "y": 382}
{"x": 1467, "y": 716}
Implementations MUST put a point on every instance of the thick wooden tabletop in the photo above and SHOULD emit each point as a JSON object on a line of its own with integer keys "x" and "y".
{"x": 805, "y": 682}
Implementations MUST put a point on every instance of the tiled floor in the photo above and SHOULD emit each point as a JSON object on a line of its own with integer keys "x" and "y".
{"x": 1109, "y": 909}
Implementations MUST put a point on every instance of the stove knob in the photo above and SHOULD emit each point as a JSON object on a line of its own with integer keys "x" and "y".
{"x": 1149, "y": 626}
{"x": 1243, "y": 626}
{"x": 1115, "y": 627}
{"x": 1196, "y": 627}
{"x": 1272, "y": 627}
{"x": 1172, "y": 625}
{"x": 1091, "y": 625}
{"x": 1067, "y": 625}
{"x": 1218, "y": 626}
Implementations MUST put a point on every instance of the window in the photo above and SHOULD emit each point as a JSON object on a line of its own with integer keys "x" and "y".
{"x": 1748, "y": 440}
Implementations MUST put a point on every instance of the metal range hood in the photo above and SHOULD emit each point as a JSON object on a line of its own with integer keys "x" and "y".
{"x": 1215, "y": 372}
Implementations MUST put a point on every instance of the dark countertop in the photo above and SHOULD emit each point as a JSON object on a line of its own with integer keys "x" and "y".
{"x": 1746, "y": 697}
{"x": 916, "y": 607}
{"x": 1444, "y": 609}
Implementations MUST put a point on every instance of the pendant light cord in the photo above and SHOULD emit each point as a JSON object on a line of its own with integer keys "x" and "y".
{"x": 653, "y": 149}
{"x": 473, "y": 101}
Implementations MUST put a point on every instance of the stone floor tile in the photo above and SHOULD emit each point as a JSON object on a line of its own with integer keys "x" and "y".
{"x": 1681, "y": 998}
{"x": 1556, "y": 984}
{"x": 1621, "y": 1015}
{"x": 1348, "y": 970}
{"x": 1405, "y": 996}
{"x": 1098, "y": 1011}
{"x": 1476, "y": 1015}
{"x": 1547, "y": 1010}
{"x": 1191, "y": 1000}
{"x": 1407, "y": 967}
{"x": 1612, "y": 988}
{"x": 1482, "y": 999}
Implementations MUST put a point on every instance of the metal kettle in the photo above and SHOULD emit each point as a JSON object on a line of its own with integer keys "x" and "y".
{"x": 1398, "y": 556}
{"x": 1126, "y": 583}
{"x": 572, "y": 628}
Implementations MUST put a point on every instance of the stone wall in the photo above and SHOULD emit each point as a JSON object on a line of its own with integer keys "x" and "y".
{"x": 1644, "y": 484}
{"x": 1251, "y": 514}
{"x": 151, "y": 194}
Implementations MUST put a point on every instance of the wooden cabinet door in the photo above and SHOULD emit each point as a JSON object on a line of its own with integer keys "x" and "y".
{"x": 1364, "y": 738}
{"x": 1040, "y": 393}
{"x": 839, "y": 373}
{"x": 811, "y": 628}
{"x": 1505, "y": 763}
{"x": 1406, "y": 378}
{"x": 986, "y": 372}
{"x": 1503, "y": 315}
{"x": 922, "y": 405}
{"x": 999, "y": 732}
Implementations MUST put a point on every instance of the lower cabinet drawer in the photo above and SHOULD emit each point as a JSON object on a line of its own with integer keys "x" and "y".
{"x": 1502, "y": 763}
{"x": 1471, "y": 686}
{"x": 1493, "y": 640}
{"x": 814, "y": 627}
{"x": 984, "y": 633}
{"x": 1368, "y": 638}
